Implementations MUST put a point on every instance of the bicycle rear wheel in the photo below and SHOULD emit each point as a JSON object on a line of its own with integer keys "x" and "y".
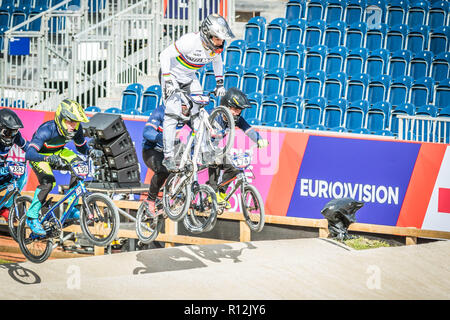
{"x": 17, "y": 211}
{"x": 253, "y": 208}
{"x": 99, "y": 219}
{"x": 176, "y": 196}
{"x": 35, "y": 248}
{"x": 202, "y": 215}
{"x": 222, "y": 137}
{"x": 148, "y": 225}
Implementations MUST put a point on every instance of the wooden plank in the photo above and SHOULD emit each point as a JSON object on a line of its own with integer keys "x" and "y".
{"x": 244, "y": 232}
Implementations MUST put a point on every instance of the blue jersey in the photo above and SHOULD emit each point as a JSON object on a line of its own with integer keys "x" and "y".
{"x": 153, "y": 131}
{"x": 18, "y": 140}
{"x": 47, "y": 139}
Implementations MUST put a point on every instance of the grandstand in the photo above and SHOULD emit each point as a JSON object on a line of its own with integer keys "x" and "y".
{"x": 376, "y": 67}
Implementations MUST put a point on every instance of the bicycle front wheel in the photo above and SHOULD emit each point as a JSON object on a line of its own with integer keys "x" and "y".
{"x": 148, "y": 225}
{"x": 176, "y": 196}
{"x": 99, "y": 219}
{"x": 18, "y": 210}
{"x": 202, "y": 215}
{"x": 222, "y": 136}
{"x": 35, "y": 248}
{"x": 253, "y": 208}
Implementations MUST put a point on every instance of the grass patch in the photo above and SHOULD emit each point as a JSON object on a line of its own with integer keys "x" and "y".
{"x": 361, "y": 243}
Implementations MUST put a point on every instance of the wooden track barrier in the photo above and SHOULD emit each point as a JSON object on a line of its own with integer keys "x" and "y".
{"x": 170, "y": 237}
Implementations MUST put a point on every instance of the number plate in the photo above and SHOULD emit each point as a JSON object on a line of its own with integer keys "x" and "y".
{"x": 17, "y": 169}
{"x": 81, "y": 169}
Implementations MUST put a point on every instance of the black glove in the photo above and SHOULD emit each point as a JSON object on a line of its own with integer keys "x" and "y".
{"x": 95, "y": 153}
{"x": 55, "y": 161}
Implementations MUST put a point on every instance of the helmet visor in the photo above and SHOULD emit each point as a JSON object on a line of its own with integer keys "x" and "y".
{"x": 8, "y": 134}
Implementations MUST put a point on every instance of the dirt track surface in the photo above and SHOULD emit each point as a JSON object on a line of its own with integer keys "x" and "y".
{"x": 281, "y": 269}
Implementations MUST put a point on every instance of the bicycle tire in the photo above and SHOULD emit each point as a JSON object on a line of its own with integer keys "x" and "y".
{"x": 195, "y": 221}
{"x": 228, "y": 117}
{"x": 153, "y": 226}
{"x": 13, "y": 218}
{"x": 24, "y": 238}
{"x": 93, "y": 219}
{"x": 182, "y": 198}
{"x": 258, "y": 202}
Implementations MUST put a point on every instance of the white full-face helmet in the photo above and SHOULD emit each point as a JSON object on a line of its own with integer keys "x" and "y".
{"x": 215, "y": 25}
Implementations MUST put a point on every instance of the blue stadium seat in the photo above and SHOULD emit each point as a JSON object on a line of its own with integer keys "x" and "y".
{"x": 234, "y": 53}
{"x": 417, "y": 13}
{"x": 334, "y": 87}
{"x": 442, "y": 94}
{"x": 385, "y": 132}
{"x": 273, "y": 55}
{"x": 440, "y": 67}
{"x": 420, "y": 64}
{"x": 396, "y": 12}
{"x": 270, "y": 108}
{"x": 333, "y": 115}
{"x": 19, "y": 16}
{"x": 355, "y": 115}
{"x": 399, "y": 63}
{"x": 232, "y": 76}
{"x": 314, "y": 33}
{"x": 375, "y": 38}
{"x": 417, "y": 38}
{"x": 131, "y": 96}
{"x": 378, "y": 116}
{"x": 291, "y": 110}
{"x": 93, "y": 109}
{"x": 315, "y": 58}
{"x": 209, "y": 78}
{"x": 355, "y": 35}
{"x": 275, "y": 31}
{"x": 422, "y": 91}
{"x": 273, "y": 81}
{"x": 113, "y": 110}
{"x": 315, "y": 10}
{"x": 443, "y": 132}
{"x": 36, "y": 24}
{"x": 294, "y": 9}
{"x": 4, "y": 21}
{"x": 335, "y": 59}
{"x": 399, "y": 90}
{"x": 41, "y": 4}
{"x": 357, "y": 87}
{"x": 403, "y": 108}
{"x": 355, "y": 63}
{"x": 396, "y": 37}
{"x": 354, "y": 11}
{"x": 252, "y": 79}
{"x": 293, "y": 83}
{"x": 313, "y": 86}
{"x": 334, "y": 11}
{"x": 254, "y": 54}
{"x": 377, "y": 90}
{"x": 439, "y": 40}
{"x": 255, "y": 29}
{"x": 151, "y": 98}
{"x": 423, "y": 129}
{"x": 438, "y": 14}
{"x": 255, "y": 100}
{"x": 334, "y": 34}
{"x": 313, "y": 111}
{"x": 293, "y": 57}
{"x": 296, "y": 125}
{"x": 377, "y": 62}
{"x": 295, "y": 31}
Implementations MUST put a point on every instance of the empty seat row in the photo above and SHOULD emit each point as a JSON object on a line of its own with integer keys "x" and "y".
{"x": 432, "y": 13}
{"x": 317, "y": 32}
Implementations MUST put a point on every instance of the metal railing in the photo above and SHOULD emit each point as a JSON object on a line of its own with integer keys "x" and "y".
{"x": 424, "y": 128}
{"x": 95, "y": 50}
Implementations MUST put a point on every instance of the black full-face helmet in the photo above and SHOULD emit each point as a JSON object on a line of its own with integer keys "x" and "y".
{"x": 215, "y": 25}
{"x": 235, "y": 98}
{"x": 10, "y": 124}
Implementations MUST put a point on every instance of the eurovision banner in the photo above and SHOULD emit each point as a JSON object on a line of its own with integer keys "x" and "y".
{"x": 402, "y": 183}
